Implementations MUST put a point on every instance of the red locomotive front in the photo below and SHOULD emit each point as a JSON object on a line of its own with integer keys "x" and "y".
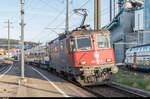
{"x": 92, "y": 55}
{"x": 92, "y": 49}
{"x": 85, "y": 55}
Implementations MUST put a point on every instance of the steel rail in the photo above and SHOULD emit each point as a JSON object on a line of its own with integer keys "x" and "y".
{"x": 135, "y": 91}
{"x": 4, "y": 68}
{"x": 122, "y": 88}
{"x": 118, "y": 86}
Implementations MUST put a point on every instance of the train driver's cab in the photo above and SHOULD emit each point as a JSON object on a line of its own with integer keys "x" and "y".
{"x": 81, "y": 43}
{"x": 102, "y": 41}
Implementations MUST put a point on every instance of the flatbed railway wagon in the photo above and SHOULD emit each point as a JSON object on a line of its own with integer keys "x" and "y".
{"x": 83, "y": 55}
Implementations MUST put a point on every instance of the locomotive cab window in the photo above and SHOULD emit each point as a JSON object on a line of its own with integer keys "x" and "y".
{"x": 102, "y": 41}
{"x": 84, "y": 43}
{"x": 72, "y": 44}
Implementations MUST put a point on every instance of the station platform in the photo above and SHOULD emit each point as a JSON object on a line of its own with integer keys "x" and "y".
{"x": 37, "y": 83}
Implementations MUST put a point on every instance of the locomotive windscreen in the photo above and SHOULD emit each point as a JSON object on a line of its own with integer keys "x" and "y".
{"x": 102, "y": 41}
{"x": 84, "y": 43}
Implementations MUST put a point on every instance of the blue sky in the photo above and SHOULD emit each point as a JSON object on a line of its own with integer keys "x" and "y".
{"x": 41, "y": 14}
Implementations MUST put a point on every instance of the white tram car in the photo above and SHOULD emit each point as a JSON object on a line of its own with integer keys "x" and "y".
{"x": 142, "y": 56}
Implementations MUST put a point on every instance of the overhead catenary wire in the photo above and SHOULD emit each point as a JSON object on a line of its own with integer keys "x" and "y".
{"x": 31, "y": 9}
{"x": 16, "y": 17}
{"x": 85, "y": 3}
{"x": 73, "y": 13}
{"x": 54, "y": 18}
{"x": 47, "y": 4}
{"x": 104, "y": 12}
{"x": 28, "y": 4}
{"x": 52, "y": 22}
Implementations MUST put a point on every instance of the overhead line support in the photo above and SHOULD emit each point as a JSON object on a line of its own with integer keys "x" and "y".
{"x": 97, "y": 14}
{"x": 22, "y": 39}
{"x": 67, "y": 16}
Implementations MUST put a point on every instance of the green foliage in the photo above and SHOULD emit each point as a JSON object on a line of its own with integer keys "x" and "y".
{"x": 136, "y": 80}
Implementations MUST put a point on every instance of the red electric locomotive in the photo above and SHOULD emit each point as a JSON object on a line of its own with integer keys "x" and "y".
{"x": 85, "y": 55}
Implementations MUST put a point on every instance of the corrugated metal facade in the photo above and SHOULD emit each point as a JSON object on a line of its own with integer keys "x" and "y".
{"x": 118, "y": 34}
{"x": 147, "y": 15}
{"x": 119, "y": 52}
{"x": 147, "y": 21}
{"x": 126, "y": 34}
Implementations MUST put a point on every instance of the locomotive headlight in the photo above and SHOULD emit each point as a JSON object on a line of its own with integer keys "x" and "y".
{"x": 109, "y": 60}
{"x": 114, "y": 69}
{"x": 83, "y": 63}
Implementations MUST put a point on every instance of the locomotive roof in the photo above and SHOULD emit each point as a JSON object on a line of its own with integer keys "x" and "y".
{"x": 80, "y": 32}
{"x": 91, "y": 31}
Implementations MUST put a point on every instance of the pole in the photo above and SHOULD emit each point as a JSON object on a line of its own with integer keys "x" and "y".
{"x": 22, "y": 39}
{"x": 8, "y": 39}
{"x": 67, "y": 18}
{"x": 138, "y": 29}
{"x": 110, "y": 10}
{"x": 119, "y": 5}
{"x": 97, "y": 15}
{"x": 114, "y": 8}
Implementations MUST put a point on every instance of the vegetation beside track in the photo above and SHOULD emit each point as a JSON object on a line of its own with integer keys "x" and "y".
{"x": 136, "y": 80}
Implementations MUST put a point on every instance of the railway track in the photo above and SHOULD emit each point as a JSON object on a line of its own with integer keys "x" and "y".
{"x": 3, "y": 66}
{"x": 131, "y": 90}
{"x": 117, "y": 90}
{"x": 110, "y": 90}
{"x": 114, "y": 90}
{"x": 107, "y": 91}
